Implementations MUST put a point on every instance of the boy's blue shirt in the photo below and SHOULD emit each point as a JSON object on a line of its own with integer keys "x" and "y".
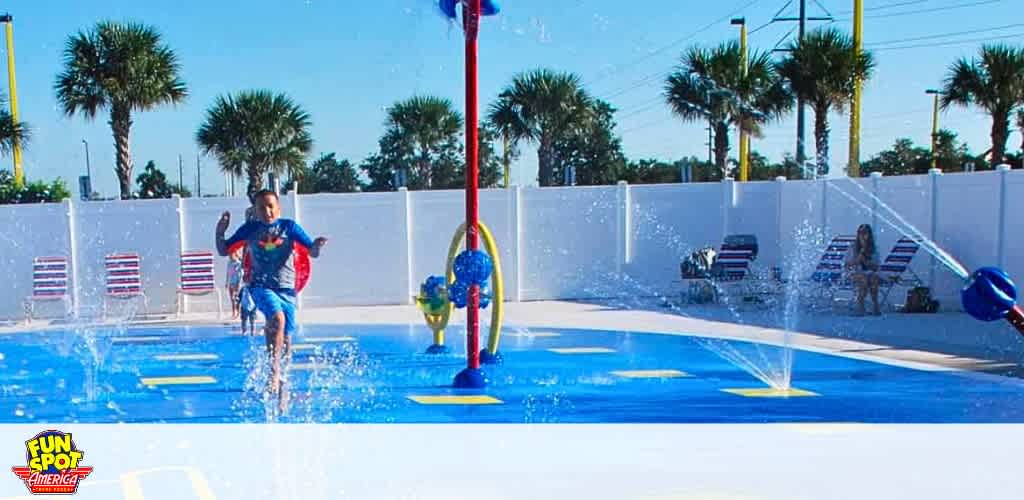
{"x": 270, "y": 247}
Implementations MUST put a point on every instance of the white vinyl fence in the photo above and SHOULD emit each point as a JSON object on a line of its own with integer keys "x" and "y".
{"x": 556, "y": 243}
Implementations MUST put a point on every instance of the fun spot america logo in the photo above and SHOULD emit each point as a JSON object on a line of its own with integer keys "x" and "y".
{"x": 54, "y": 464}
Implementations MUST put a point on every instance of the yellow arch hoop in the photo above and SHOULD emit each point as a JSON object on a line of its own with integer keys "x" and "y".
{"x": 497, "y": 302}
{"x": 438, "y": 322}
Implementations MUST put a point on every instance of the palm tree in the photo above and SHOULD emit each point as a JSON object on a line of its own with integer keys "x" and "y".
{"x": 502, "y": 118}
{"x": 426, "y": 123}
{"x": 255, "y": 132}
{"x": 709, "y": 85}
{"x": 11, "y": 133}
{"x": 822, "y": 69}
{"x": 540, "y": 107}
{"x": 123, "y": 68}
{"x": 995, "y": 83}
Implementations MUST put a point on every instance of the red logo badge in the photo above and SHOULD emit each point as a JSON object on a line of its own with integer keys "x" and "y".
{"x": 54, "y": 464}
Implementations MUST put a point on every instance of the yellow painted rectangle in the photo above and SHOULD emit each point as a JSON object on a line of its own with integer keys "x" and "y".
{"x": 455, "y": 400}
{"x": 186, "y": 380}
{"x": 185, "y": 357}
{"x": 771, "y": 392}
{"x": 121, "y": 340}
{"x": 581, "y": 350}
{"x": 307, "y": 366}
{"x": 532, "y": 334}
{"x": 329, "y": 339}
{"x": 651, "y": 373}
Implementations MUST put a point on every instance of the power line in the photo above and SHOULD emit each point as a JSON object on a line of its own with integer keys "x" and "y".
{"x": 676, "y": 42}
{"x": 772, "y": 21}
{"x": 882, "y": 117}
{"x": 642, "y": 107}
{"x": 646, "y": 125}
{"x": 950, "y": 44}
{"x": 887, "y": 6}
{"x": 925, "y": 11}
{"x": 944, "y": 35}
{"x": 891, "y": 5}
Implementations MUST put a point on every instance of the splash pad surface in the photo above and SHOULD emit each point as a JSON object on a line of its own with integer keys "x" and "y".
{"x": 379, "y": 374}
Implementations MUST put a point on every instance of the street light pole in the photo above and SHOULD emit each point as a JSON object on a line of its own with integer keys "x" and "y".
{"x": 88, "y": 168}
{"x": 935, "y": 126}
{"x": 744, "y": 139}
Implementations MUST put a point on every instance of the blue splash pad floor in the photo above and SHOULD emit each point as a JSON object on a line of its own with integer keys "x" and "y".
{"x": 371, "y": 376}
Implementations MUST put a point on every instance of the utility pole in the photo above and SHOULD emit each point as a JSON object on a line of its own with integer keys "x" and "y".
{"x": 801, "y": 119}
{"x": 199, "y": 179}
{"x": 935, "y": 126}
{"x": 853, "y": 166}
{"x": 506, "y": 156}
{"x": 181, "y": 176}
{"x": 710, "y": 143}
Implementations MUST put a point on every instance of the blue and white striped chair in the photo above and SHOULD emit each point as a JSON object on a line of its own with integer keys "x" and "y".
{"x": 896, "y": 271}
{"x": 829, "y": 277}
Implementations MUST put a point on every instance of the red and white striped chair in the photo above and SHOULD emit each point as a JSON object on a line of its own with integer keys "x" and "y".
{"x": 49, "y": 283}
{"x": 197, "y": 278}
{"x": 124, "y": 278}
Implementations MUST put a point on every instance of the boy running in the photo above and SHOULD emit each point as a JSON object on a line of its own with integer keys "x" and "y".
{"x": 269, "y": 241}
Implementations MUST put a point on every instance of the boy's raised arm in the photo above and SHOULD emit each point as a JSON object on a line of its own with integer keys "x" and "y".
{"x": 223, "y": 246}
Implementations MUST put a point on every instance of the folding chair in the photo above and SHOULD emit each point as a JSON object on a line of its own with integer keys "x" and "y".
{"x": 49, "y": 283}
{"x": 829, "y": 277}
{"x": 731, "y": 270}
{"x": 124, "y": 278}
{"x": 895, "y": 269}
{"x": 197, "y": 279}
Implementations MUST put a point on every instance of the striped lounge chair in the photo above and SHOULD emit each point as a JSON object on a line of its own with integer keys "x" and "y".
{"x": 730, "y": 273}
{"x": 829, "y": 277}
{"x": 124, "y": 278}
{"x": 895, "y": 269}
{"x": 49, "y": 284}
{"x": 197, "y": 278}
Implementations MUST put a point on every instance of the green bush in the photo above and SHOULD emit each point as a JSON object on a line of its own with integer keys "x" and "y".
{"x": 31, "y": 192}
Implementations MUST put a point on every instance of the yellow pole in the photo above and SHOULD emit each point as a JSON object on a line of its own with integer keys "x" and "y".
{"x": 19, "y": 175}
{"x": 935, "y": 131}
{"x": 853, "y": 167}
{"x": 744, "y": 138}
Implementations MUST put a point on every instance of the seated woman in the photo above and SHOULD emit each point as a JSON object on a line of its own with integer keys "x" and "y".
{"x": 862, "y": 264}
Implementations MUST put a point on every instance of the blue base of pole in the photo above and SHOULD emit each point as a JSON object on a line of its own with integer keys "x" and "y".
{"x": 490, "y": 359}
{"x": 438, "y": 349}
{"x": 470, "y": 378}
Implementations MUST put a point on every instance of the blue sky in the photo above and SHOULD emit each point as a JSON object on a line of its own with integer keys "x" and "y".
{"x": 345, "y": 61}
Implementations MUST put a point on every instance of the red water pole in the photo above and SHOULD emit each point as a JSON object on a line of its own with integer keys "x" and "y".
{"x": 471, "y": 22}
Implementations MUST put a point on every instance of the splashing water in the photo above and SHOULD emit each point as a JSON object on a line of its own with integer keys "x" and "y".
{"x": 900, "y": 224}
{"x": 627, "y": 291}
